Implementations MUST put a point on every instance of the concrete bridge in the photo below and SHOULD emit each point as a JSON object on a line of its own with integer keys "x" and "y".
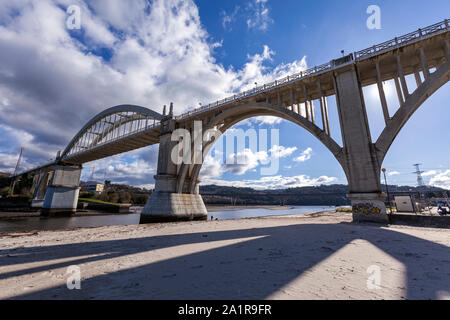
{"x": 424, "y": 53}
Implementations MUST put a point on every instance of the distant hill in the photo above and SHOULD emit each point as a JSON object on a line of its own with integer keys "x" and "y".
{"x": 333, "y": 195}
{"x": 4, "y": 180}
{"x": 4, "y": 175}
{"x": 318, "y": 195}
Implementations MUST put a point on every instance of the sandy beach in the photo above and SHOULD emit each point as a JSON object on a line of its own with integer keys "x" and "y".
{"x": 314, "y": 256}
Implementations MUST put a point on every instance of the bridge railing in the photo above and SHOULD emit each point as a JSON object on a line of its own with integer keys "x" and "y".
{"x": 119, "y": 132}
{"x": 354, "y": 57}
{"x": 403, "y": 40}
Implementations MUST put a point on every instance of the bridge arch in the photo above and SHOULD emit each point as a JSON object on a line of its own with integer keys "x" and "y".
{"x": 101, "y": 126}
{"x": 434, "y": 81}
{"x": 236, "y": 114}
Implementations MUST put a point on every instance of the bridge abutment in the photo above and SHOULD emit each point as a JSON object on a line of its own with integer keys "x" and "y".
{"x": 369, "y": 207}
{"x": 61, "y": 196}
{"x": 165, "y": 203}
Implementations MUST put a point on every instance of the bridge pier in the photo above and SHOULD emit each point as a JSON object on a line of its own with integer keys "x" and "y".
{"x": 61, "y": 197}
{"x": 165, "y": 203}
{"x": 360, "y": 159}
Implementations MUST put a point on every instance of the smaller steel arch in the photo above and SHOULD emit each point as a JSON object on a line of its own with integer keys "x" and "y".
{"x": 117, "y": 109}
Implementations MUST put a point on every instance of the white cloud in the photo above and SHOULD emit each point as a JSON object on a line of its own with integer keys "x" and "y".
{"x": 393, "y": 173}
{"x": 282, "y": 152}
{"x": 305, "y": 156}
{"x": 53, "y": 80}
{"x": 259, "y": 18}
{"x": 211, "y": 168}
{"x": 135, "y": 170}
{"x": 441, "y": 179}
{"x": 255, "y": 13}
{"x": 8, "y": 163}
{"x": 229, "y": 19}
{"x": 241, "y": 162}
{"x": 274, "y": 182}
{"x": 266, "y": 120}
{"x": 429, "y": 173}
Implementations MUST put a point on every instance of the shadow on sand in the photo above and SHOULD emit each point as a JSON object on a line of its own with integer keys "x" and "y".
{"x": 250, "y": 269}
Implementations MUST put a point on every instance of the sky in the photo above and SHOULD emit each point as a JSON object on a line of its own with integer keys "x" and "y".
{"x": 54, "y": 79}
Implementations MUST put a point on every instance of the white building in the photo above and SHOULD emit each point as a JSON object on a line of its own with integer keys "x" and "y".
{"x": 94, "y": 186}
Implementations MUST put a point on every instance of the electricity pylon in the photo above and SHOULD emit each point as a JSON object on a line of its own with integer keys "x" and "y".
{"x": 420, "y": 182}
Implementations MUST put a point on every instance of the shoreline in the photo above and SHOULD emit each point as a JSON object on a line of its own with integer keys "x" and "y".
{"x": 18, "y": 215}
{"x": 5, "y": 215}
{"x": 215, "y": 208}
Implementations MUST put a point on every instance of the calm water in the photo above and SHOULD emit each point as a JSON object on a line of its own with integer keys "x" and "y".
{"x": 38, "y": 223}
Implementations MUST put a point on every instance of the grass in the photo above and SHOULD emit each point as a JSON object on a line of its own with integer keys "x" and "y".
{"x": 98, "y": 201}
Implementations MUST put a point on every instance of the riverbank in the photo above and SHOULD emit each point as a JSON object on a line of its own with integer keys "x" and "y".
{"x": 24, "y": 213}
{"x": 34, "y": 214}
{"x": 312, "y": 256}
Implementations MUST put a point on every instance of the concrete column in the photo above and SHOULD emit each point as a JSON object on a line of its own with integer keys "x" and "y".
{"x": 165, "y": 204}
{"x": 325, "y": 103}
{"x": 418, "y": 79}
{"x": 322, "y": 108}
{"x": 292, "y": 98}
{"x": 61, "y": 197}
{"x": 361, "y": 165}
{"x": 312, "y": 111}
{"x": 447, "y": 49}
{"x": 423, "y": 61}
{"x": 39, "y": 188}
{"x": 382, "y": 94}
{"x": 402, "y": 77}
{"x": 399, "y": 91}
{"x": 308, "y": 114}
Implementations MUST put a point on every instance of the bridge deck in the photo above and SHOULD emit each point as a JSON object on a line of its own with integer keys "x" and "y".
{"x": 129, "y": 143}
{"x": 432, "y": 44}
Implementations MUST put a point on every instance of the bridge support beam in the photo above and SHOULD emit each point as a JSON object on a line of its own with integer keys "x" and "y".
{"x": 39, "y": 188}
{"x": 61, "y": 197}
{"x": 165, "y": 203}
{"x": 360, "y": 159}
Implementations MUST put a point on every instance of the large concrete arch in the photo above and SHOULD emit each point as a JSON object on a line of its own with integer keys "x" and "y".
{"x": 111, "y": 111}
{"x": 435, "y": 81}
{"x": 236, "y": 114}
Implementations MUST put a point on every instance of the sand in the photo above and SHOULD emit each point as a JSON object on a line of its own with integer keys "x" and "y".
{"x": 316, "y": 256}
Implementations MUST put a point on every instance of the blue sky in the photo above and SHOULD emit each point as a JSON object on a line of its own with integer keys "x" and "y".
{"x": 53, "y": 80}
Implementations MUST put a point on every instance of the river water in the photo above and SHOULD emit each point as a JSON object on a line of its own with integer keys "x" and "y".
{"x": 43, "y": 223}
